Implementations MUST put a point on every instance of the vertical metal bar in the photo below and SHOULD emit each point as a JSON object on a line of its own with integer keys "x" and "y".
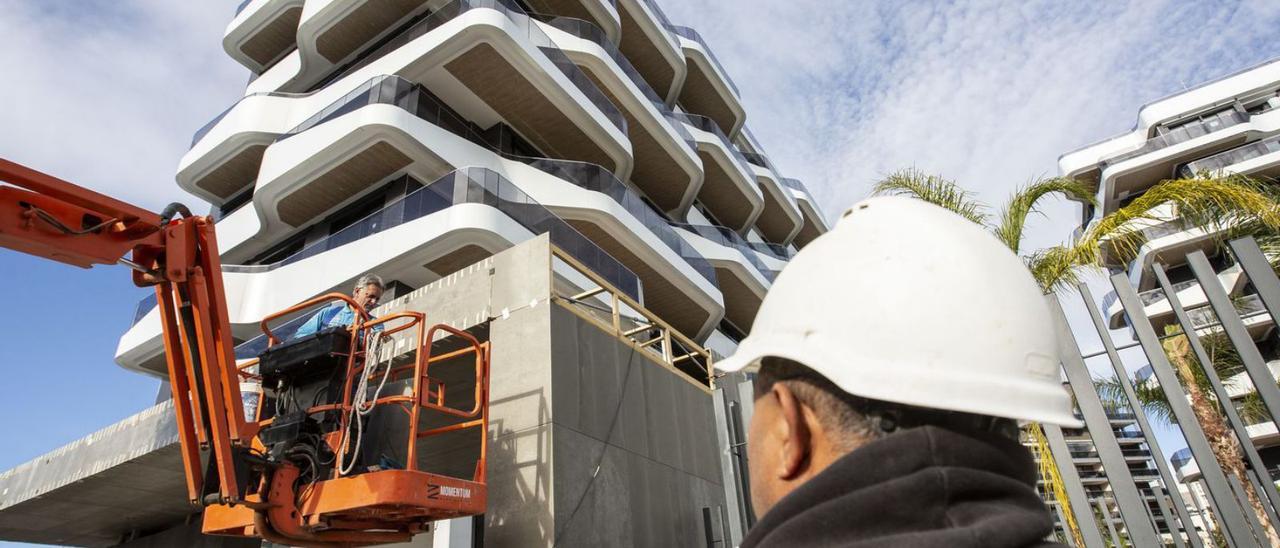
{"x": 1111, "y": 527}
{"x": 1232, "y": 516}
{"x": 1170, "y": 523}
{"x": 1206, "y": 365}
{"x": 1243, "y": 501}
{"x": 1258, "y": 269}
{"x": 1258, "y": 486}
{"x": 1207, "y": 520}
{"x": 1263, "y": 380}
{"x": 1061, "y": 525}
{"x": 725, "y": 436}
{"x": 1081, "y": 505}
{"x": 1129, "y": 501}
{"x": 1122, "y": 375}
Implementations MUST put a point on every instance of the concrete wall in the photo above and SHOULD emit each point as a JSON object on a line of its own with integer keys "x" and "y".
{"x": 591, "y": 441}
{"x": 633, "y": 444}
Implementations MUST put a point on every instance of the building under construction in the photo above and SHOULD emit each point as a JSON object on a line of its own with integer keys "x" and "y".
{"x": 569, "y": 182}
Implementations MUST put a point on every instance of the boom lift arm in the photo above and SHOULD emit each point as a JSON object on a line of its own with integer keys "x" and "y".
{"x": 245, "y": 489}
{"x": 177, "y": 254}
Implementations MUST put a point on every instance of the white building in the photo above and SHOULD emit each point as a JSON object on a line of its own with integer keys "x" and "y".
{"x": 417, "y": 138}
{"x": 1228, "y": 126}
{"x": 601, "y": 113}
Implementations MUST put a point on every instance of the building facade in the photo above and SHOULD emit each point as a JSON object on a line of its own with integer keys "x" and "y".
{"x": 1229, "y": 126}
{"x": 427, "y": 141}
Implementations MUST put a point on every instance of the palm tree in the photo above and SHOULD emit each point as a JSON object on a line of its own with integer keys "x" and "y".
{"x": 1228, "y": 206}
{"x": 1226, "y": 363}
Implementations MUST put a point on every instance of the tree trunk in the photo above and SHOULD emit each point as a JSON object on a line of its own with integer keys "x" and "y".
{"x": 1226, "y": 448}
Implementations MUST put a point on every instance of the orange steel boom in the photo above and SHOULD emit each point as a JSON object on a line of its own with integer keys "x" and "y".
{"x": 245, "y": 491}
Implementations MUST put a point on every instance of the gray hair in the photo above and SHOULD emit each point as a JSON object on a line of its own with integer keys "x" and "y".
{"x": 856, "y": 420}
{"x": 368, "y": 280}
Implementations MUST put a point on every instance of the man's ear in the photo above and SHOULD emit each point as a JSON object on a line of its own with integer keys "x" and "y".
{"x": 795, "y": 447}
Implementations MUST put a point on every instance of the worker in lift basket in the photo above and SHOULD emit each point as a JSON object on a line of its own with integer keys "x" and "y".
{"x": 895, "y": 357}
{"x": 367, "y": 292}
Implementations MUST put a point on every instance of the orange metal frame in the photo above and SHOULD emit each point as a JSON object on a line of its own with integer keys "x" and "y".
{"x": 394, "y": 503}
{"x": 54, "y": 219}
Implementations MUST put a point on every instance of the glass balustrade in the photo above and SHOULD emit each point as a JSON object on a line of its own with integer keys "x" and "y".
{"x": 728, "y": 238}
{"x": 525, "y": 26}
{"x": 465, "y": 186}
{"x": 591, "y": 32}
{"x": 1222, "y": 160}
{"x": 396, "y": 91}
{"x": 686, "y": 32}
{"x": 1180, "y": 134}
{"x": 710, "y": 126}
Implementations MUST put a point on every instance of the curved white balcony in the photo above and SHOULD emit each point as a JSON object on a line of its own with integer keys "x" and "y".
{"x": 729, "y": 189}
{"x": 478, "y": 61}
{"x": 667, "y": 166}
{"x": 311, "y": 173}
{"x": 652, "y": 47}
{"x": 1245, "y": 84}
{"x": 742, "y": 275}
{"x": 814, "y": 223}
{"x": 603, "y": 14}
{"x": 708, "y": 90}
{"x": 1259, "y": 159}
{"x": 398, "y": 253}
{"x": 1144, "y": 162}
{"x": 433, "y": 231}
{"x": 263, "y": 32}
{"x": 781, "y": 219}
{"x": 1158, "y": 158}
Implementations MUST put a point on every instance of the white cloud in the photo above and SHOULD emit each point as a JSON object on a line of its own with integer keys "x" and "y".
{"x": 107, "y": 93}
{"x": 984, "y": 92}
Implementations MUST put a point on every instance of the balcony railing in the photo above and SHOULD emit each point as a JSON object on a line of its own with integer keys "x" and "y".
{"x": 728, "y": 238}
{"x": 1180, "y": 134}
{"x": 522, "y": 21}
{"x": 466, "y": 186}
{"x": 598, "y": 179}
{"x": 663, "y": 21}
{"x": 777, "y": 251}
{"x": 406, "y": 95}
{"x": 1203, "y": 316}
{"x": 1218, "y": 162}
{"x": 795, "y": 184}
{"x": 204, "y": 130}
{"x": 591, "y": 32}
{"x": 757, "y": 159}
{"x": 691, "y": 34}
{"x": 710, "y": 126}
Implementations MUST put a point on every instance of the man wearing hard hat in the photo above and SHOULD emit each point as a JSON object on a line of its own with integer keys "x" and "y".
{"x": 895, "y": 357}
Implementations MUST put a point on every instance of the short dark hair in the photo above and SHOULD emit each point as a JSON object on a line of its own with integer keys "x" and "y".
{"x": 864, "y": 419}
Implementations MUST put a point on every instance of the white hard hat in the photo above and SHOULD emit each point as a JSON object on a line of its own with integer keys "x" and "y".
{"x": 906, "y": 302}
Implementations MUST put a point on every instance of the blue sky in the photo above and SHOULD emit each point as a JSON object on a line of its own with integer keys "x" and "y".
{"x": 107, "y": 94}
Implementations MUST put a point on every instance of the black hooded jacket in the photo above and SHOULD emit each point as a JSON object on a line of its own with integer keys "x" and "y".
{"x": 919, "y": 487}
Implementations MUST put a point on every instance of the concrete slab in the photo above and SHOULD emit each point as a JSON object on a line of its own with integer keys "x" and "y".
{"x": 591, "y": 440}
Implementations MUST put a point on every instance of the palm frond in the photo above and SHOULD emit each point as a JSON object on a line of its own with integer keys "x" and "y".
{"x": 933, "y": 189}
{"x": 1216, "y": 204}
{"x": 1022, "y": 204}
{"x": 1150, "y": 397}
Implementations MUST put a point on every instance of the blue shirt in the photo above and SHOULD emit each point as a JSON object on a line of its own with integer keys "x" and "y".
{"x": 335, "y": 315}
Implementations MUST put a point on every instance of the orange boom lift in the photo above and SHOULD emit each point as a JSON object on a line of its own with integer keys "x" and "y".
{"x": 289, "y": 477}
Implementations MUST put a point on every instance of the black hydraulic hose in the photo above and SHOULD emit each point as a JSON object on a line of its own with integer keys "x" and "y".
{"x": 172, "y": 210}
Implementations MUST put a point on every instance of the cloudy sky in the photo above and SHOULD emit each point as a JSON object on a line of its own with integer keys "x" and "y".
{"x": 108, "y": 92}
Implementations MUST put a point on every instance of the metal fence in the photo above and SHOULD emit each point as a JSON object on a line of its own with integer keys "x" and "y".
{"x": 1228, "y": 514}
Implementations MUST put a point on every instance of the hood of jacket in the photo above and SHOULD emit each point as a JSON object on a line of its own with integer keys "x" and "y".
{"x": 923, "y": 486}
